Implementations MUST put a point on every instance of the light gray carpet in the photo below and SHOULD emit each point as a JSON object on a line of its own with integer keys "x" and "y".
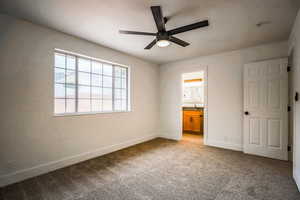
{"x": 164, "y": 169}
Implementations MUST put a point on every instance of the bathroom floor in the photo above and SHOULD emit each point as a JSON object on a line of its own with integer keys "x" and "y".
{"x": 194, "y": 138}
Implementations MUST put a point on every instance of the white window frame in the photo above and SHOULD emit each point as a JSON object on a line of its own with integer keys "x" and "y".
{"x": 128, "y": 79}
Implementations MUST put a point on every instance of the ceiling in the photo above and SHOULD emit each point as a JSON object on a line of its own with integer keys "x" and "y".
{"x": 233, "y": 23}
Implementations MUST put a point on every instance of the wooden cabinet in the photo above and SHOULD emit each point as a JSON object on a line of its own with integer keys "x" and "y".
{"x": 193, "y": 121}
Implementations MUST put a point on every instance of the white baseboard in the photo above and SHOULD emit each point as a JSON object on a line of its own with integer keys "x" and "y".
{"x": 51, "y": 166}
{"x": 214, "y": 143}
{"x": 297, "y": 178}
{"x": 172, "y": 137}
{"x": 224, "y": 145}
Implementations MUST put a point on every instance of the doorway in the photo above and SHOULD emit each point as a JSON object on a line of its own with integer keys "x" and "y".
{"x": 193, "y": 107}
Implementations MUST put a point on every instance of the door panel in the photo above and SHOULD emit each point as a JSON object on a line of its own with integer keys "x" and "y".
{"x": 255, "y": 132}
{"x": 273, "y": 94}
{"x": 253, "y": 94}
{"x": 187, "y": 126}
{"x": 265, "y": 99}
{"x": 196, "y": 123}
{"x": 274, "y": 133}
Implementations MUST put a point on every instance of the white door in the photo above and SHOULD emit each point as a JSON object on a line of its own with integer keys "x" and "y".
{"x": 265, "y": 108}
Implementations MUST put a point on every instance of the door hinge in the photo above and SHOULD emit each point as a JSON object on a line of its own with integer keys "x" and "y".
{"x": 289, "y": 108}
{"x": 289, "y": 68}
{"x": 289, "y": 148}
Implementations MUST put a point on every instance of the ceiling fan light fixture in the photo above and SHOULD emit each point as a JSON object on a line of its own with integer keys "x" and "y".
{"x": 163, "y": 43}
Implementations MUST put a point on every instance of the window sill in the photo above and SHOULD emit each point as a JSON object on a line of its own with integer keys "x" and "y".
{"x": 88, "y": 113}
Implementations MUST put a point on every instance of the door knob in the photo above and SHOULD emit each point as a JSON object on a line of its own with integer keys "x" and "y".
{"x": 247, "y": 113}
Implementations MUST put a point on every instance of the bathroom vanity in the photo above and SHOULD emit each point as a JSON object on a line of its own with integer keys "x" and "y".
{"x": 193, "y": 120}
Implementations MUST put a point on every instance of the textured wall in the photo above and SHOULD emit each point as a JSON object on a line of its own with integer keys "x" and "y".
{"x": 30, "y": 135}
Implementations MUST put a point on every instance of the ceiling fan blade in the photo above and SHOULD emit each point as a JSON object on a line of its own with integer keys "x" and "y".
{"x": 151, "y": 44}
{"x": 136, "y": 33}
{"x": 189, "y": 27}
{"x": 158, "y": 18}
{"x": 178, "y": 41}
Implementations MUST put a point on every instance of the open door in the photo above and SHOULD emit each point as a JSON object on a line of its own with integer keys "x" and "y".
{"x": 265, "y": 108}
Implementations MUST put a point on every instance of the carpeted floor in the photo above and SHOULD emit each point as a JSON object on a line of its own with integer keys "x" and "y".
{"x": 164, "y": 169}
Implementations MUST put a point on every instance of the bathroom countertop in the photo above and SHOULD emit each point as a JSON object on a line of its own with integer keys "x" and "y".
{"x": 192, "y": 108}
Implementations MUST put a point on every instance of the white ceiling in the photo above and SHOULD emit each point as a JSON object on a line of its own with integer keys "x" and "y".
{"x": 233, "y": 23}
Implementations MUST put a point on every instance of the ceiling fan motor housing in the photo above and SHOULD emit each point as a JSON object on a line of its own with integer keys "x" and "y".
{"x": 162, "y": 36}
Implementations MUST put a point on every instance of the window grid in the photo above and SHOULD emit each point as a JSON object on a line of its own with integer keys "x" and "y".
{"x": 96, "y": 102}
{"x": 76, "y": 88}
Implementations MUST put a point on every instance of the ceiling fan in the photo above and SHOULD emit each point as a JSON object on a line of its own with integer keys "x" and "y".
{"x": 164, "y": 37}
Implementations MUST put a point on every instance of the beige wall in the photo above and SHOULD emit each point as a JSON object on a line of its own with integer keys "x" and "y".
{"x": 294, "y": 46}
{"x": 225, "y": 92}
{"x": 32, "y": 140}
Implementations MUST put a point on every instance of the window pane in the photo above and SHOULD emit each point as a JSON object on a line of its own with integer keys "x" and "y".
{"x": 59, "y": 75}
{"x": 107, "y": 69}
{"x": 84, "y": 65}
{"x": 107, "y": 105}
{"x": 124, "y": 105}
{"x": 84, "y": 105}
{"x": 118, "y": 93}
{"x": 84, "y": 78}
{"x": 96, "y": 67}
{"x": 70, "y": 91}
{"x": 95, "y": 85}
{"x": 59, "y": 106}
{"x": 60, "y": 91}
{"x": 118, "y": 105}
{"x": 84, "y": 92}
{"x": 96, "y": 105}
{"x": 118, "y": 71}
{"x": 124, "y": 72}
{"x": 118, "y": 83}
{"x": 107, "y": 93}
{"x": 60, "y": 60}
{"x": 96, "y": 80}
{"x": 96, "y": 92}
{"x": 71, "y": 75}
{"x": 124, "y": 94}
{"x": 107, "y": 81}
{"x": 124, "y": 83}
{"x": 70, "y": 106}
{"x": 71, "y": 62}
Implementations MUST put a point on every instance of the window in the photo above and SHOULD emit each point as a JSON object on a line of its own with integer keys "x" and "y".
{"x": 87, "y": 85}
{"x": 193, "y": 91}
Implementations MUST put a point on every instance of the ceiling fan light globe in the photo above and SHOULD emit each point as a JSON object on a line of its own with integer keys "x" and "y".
{"x": 162, "y": 43}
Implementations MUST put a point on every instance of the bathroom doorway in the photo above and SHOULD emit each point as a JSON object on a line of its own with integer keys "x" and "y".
{"x": 194, "y": 107}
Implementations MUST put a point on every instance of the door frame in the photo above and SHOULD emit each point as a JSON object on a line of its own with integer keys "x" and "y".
{"x": 292, "y": 115}
{"x": 292, "y": 50}
{"x": 205, "y": 110}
